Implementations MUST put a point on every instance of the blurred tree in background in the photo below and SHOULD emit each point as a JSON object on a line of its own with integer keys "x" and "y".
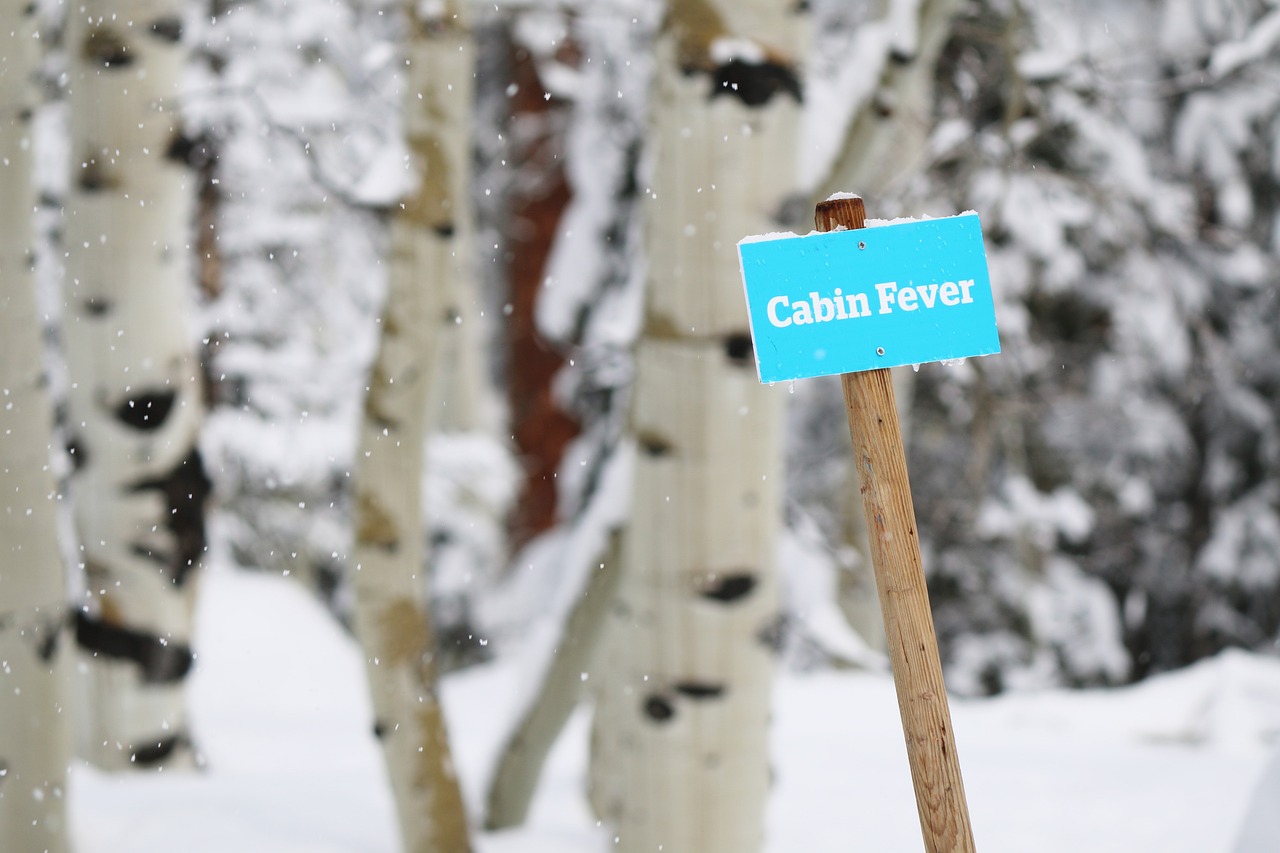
{"x": 1097, "y": 501}
{"x": 1100, "y": 501}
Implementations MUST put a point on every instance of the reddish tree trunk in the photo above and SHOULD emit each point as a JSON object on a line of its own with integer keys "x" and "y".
{"x": 538, "y": 200}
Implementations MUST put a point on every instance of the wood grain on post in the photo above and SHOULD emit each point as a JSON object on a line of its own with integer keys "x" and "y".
{"x": 904, "y": 599}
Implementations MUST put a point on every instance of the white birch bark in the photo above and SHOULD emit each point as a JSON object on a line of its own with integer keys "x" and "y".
{"x": 35, "y": 738}
{"x": 888, "y": 136}
{"x": 391, "y": 619}
{"x": 886, "y": 140}
{"x": 683, "y": 718}
{"x": 135, "y": 402}
{"x": 515, "y": 778}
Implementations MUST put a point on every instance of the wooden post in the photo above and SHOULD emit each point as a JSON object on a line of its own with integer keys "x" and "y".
{"x": 904, "y": 599}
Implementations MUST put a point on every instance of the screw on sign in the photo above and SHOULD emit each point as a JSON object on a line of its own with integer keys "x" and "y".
{"x": 856, "y": 304}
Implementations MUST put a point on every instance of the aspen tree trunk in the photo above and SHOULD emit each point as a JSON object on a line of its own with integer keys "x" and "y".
{"x": 135, "y": 402}
{"x": 391, "y": 618}
{"x": 35, "y": 737}
{"x": 515, "y": 779}
{"x": 888, "y": 136}
{"x": 682, "y": 723}
{"x": 886, "y": 139}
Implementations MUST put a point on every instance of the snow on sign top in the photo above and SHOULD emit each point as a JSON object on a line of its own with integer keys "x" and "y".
{"x": 845, "y": 301}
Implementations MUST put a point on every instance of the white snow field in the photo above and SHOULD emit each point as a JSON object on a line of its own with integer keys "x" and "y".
{"x": 280, "y": 710}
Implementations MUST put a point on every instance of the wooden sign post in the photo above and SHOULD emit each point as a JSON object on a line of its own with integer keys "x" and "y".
{"x": 904, "y": 598}
{"x": 859, "y": 311}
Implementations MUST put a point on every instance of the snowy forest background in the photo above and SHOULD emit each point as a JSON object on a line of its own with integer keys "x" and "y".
{"x": 1098, "y": 505}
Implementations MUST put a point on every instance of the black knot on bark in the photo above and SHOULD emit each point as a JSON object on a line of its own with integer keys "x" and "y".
{"x": 107, "y": 48}
{"x": 659, "y": 708}
{"x": 156, "y": 752}
{"x": 147, "y": 412}
{"x": 652, "y": 444}
{"x": 755, "y": 83}
{"x": 95, "y": 177}
{"x": 197, "y": 151}
{"x": 75, "y": 449}
{"x": 48, "y": 636}
{"x": 700, "y": 690}
{"x": 160, "y": 660}
{"x": 185, "y": 488}
{"x": 739, "y": 349}
{"x": 167, "y": 29}
{"x": 730, "y": 588}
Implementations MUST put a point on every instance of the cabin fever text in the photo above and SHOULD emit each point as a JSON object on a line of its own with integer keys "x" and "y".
{"x": 846, "y": 306}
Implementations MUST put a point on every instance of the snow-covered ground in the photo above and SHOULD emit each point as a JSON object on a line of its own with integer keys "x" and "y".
{"x": 280, "y": 710}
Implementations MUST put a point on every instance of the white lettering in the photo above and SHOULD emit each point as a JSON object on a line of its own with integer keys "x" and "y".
{"x": 824, "y": 309}
{"x": 859, "y": 306}
{"x": 886, "y": 289}
{"x": 773, "y": 311}
{"x": 816, "y": 308}
{"x": 928, "y": 294}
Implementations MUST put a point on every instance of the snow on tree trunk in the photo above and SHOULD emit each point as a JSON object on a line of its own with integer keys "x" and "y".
{"x": 682, "y": 721}
{"x": 391, "y": 618}
{"x": 35, "y": 739}
{"x": 885, "y": 141}
{"x": 520, "y": 763}
{"x": 888, "y": 135}
{"x": 135, "y": 402}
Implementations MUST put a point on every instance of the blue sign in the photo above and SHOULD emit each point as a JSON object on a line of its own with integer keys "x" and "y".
{"x": 845, "y": 301}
